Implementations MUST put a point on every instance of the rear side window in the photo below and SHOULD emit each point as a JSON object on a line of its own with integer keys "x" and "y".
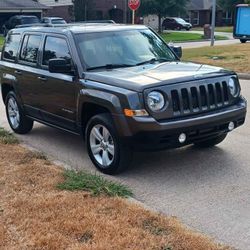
{"x": 11, "y": 47}
{"x": 55, "y": 47}
{"x": 30, "y": 47}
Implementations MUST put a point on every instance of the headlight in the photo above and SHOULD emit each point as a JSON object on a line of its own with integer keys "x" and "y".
{"x": 155, "y": 101}
{"x": 233, "y": 86}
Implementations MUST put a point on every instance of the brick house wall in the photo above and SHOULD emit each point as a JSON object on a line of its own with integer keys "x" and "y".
{"x": 116, "y": 10}
{"x": 65, "y": 12}
{"x": 59, "y": 8}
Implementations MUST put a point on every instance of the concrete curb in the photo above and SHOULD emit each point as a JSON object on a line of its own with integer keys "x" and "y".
{"x": 244, "y": 76}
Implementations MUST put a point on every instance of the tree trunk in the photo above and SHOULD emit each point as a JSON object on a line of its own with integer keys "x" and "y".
{"x": 159, "y": 24}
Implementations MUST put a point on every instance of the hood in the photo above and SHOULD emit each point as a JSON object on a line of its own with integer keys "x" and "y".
{"x": 154, "y": 75}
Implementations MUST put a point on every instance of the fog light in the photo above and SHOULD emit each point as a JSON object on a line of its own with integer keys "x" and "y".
{"x": 182, "y": 138}
{"x": 231, "y": 126}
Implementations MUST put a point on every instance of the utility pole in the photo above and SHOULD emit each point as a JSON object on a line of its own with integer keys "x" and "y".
{"x": 213, "y": 23}
{"x": 125, "y": 11}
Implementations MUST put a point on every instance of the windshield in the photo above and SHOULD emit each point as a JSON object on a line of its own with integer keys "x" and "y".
{"x": 124, "y": 48}
{"x": 58, "y": 21}
{"x": 30, "y": 20}
{"x": 180, "y": 20}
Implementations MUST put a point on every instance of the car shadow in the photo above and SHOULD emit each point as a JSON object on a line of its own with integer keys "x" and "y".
{"x": 189, "y": 162}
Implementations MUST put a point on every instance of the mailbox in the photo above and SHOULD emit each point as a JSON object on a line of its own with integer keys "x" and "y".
{"x": 242, "y": 23}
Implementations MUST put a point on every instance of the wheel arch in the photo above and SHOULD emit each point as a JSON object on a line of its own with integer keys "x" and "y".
{"x": 90, "y": 109}
{"x": 5, "y": 89}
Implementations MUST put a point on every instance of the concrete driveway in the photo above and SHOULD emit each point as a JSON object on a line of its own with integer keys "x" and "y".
{"x": 208, "y": 190}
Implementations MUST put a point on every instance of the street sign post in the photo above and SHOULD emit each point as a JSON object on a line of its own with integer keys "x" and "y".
{"x": 134, "y": 5}
{"x": 213, "y": 23}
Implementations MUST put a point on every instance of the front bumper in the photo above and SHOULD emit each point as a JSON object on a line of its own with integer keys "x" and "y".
{"x": 147, "y": 133}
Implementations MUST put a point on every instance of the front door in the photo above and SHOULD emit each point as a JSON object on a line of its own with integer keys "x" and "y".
{"x": 59, "y": 90}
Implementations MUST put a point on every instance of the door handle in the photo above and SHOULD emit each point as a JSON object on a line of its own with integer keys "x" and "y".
{"x": 42, "y": 78}
{"x": 18, "y": 72}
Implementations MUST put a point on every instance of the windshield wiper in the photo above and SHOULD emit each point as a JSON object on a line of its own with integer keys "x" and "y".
{"x": 111, "y": 66}
{"x": 153, "y": 60}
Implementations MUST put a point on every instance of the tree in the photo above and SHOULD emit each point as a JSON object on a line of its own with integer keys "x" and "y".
{"x": 82, "y": 9}
{"x": 163, "y": 8}
{"x": 230, "y": 5}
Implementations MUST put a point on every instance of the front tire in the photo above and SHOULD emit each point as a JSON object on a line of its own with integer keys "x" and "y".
{"x": 18, "y": 122}
{"x": 104, "y": 146}
{"x": 243, "y": 40}
{"x": 211, "y": 142}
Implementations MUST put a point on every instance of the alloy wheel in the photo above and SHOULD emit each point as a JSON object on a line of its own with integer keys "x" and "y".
{"x": 102, "y": 145}
{"x": 13, "y": 113}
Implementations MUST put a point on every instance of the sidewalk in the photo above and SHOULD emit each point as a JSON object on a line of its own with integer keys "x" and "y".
{"x": 191, "y": 45}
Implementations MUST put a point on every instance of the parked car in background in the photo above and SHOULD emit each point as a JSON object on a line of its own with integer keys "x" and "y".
{"x": 53, "y": 20}
{"x": 18, "y": 20}
{"x": 176, "y": 23}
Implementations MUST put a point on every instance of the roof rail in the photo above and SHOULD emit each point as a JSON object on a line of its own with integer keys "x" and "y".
{"x": 83, "y": 23}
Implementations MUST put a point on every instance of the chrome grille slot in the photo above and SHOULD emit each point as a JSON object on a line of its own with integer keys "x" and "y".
{"x": 175, "y": 100}
{"x": 225, "y": 92}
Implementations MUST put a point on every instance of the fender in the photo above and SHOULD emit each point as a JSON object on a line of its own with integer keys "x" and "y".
{"x": 9, "y": 78}
{"x": 112, "y": 98}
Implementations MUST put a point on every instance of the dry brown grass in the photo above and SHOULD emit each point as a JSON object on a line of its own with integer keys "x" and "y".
{"x": 233, "y": 57}
{"x": 34, "y": 214}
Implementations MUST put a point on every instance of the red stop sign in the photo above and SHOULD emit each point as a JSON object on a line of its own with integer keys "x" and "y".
{"x": 134, "y": 4}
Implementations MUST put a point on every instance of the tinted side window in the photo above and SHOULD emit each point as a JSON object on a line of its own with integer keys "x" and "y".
{"x": 30, "y": 48}
{"x": 55, "y": 47}
{"x": 11, "y": 46}
{"x": 45, "y": 20}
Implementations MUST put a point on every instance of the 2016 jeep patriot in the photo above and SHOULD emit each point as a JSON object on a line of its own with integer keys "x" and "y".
{"x": 120, "y": 86}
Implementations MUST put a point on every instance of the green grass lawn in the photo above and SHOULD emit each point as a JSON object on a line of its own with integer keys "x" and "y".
{"x": 1, "y": 42}
{"x": 218, "y": 29}
{"x": 234, "y": 57}
{"x": 185, "y": 37}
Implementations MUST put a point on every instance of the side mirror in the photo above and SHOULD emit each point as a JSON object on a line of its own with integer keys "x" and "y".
{"x": 177, "y": 50}
{"x": 59, "y": 65}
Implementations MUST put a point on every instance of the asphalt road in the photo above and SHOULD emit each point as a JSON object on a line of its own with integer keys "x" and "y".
{"x": 208, "y": 190}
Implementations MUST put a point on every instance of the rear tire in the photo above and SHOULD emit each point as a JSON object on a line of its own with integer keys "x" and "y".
{"x": 211, "y": 142}
{"x": 105, "y": 148}
{"x": 17, "y": 119}
{"x": 243, "y": 40}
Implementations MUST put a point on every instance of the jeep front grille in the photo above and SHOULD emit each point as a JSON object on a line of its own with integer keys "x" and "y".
{"x": 198, "y": 98}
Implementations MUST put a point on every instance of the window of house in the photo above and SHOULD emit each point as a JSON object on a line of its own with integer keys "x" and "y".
{"x": 187, "y": 17}
{"x": 227, "y": 17}
{"x": 195, "y": 17}
{"x": 55, "y": 47}
{"x": 11, "y": 47}
{"x": 30, "y": 48}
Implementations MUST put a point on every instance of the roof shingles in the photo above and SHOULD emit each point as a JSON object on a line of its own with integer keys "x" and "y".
{"x": 200, "y": 5}
{"x": 21, "y": 4}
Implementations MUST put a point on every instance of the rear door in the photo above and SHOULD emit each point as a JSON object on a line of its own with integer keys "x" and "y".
{"x": 59, "y": 90}
{"x": 27, "y": 71}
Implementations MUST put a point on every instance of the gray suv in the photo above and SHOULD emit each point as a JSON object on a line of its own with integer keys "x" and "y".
{"x": 121, "y": 87}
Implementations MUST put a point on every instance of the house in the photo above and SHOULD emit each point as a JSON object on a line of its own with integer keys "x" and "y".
{"x": 200, "y": 13}
{"x": 116, "y": 10}
{"x": 9, "y": 8}
{"x": 60, "y": 8}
